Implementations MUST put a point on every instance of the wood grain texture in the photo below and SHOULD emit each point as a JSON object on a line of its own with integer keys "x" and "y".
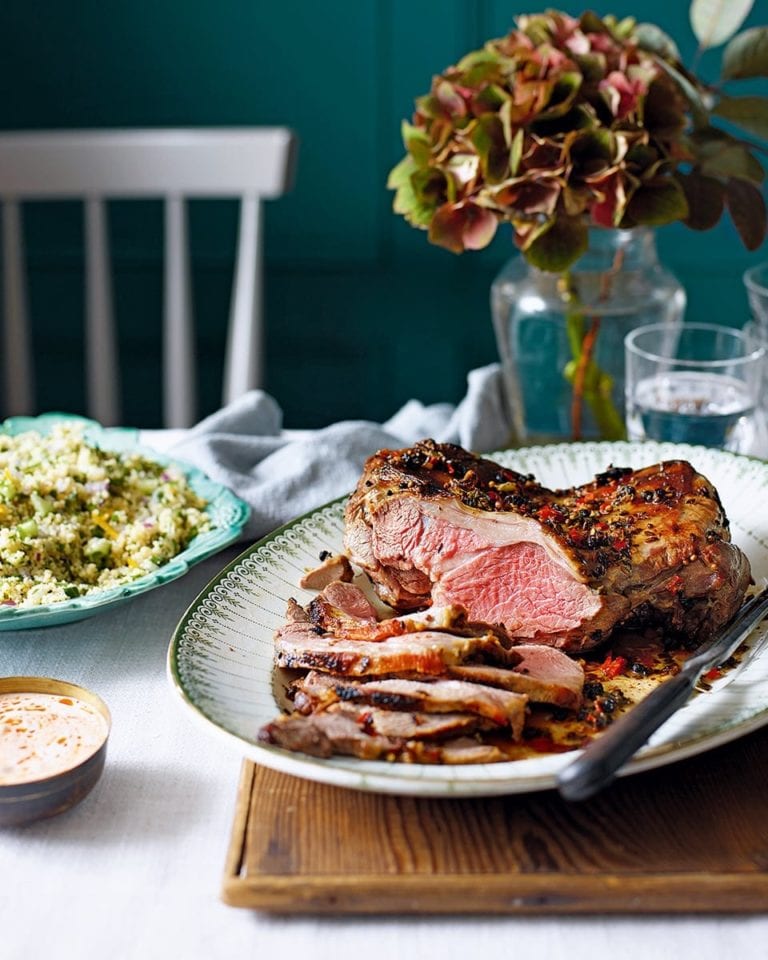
{"x": 685, "y": 838}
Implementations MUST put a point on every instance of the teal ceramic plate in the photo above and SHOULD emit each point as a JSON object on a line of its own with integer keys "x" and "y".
{"x": 221, "y": 656}
{"x": 227, "y": 512}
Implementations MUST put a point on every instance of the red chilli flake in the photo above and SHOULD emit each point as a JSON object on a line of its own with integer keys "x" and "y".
{"x": 548, "y": 512}
{"x": 612, "y": 666}
{"x": 675, "y": 584}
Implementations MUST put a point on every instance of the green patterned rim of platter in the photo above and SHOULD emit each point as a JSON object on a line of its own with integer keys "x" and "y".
{"x": 220, "y": 659}
{"x": 227, "y": 512}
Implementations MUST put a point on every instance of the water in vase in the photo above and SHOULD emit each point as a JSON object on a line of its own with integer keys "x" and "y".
{"x": 541, "y": 321}
{"x": 539, "y": 358}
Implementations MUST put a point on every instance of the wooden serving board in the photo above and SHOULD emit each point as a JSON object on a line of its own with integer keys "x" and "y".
{"x": 688, "y": 837}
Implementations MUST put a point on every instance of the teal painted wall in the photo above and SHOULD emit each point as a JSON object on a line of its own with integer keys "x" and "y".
{"x": 362, "y": 312}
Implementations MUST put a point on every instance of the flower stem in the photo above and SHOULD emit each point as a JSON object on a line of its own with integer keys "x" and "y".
{"x": 590, "y": 383}
{"x": 582, "y": 362}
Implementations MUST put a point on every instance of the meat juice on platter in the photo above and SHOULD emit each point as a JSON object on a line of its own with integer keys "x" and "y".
{"x": 521, "y": 620}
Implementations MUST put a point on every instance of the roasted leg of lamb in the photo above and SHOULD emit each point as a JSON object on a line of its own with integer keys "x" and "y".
{"x": 433, "y": 524}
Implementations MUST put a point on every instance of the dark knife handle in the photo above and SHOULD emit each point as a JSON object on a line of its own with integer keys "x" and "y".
{"x": 597, "y": 766}
{"x": 599, "y": 762}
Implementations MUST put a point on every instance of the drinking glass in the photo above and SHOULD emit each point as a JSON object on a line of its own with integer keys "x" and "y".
{"x": 699, "y": 383}
{"x": 756, "y": 282}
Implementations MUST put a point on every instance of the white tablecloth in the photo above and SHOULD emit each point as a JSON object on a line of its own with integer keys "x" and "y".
{"x": 135, "y": 870}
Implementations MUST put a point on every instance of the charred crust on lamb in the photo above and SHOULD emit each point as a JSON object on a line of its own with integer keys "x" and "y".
{"x": 433, "y": 523}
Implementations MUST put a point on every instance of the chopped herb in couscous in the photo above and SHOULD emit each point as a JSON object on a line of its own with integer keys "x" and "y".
{"x": 74, "y": 518}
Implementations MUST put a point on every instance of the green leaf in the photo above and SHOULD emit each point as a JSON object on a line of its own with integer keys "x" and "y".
{"x": 624, "y": 29}
{"x": 528, "y": 231}
{"x": 746, "y": 55}
{"x": 721, "y": 155}
{"x": 749, "y": 113}
{"x": 747, "y": 208}
{"x": 516, "y": 152}
{"x": 576, "y": 200}
{"x": 592, "y": 151}
{"x": 592, "y": 66}
{"x": 417, "y": 213}
{"x": 643, "y": 159}
{"x": 488, "y": 139}
{"x": 401, "y": 172}
{"x": 419, "y": 191}
{"x": 655, "y": 40}
{"x": 450, "y": 99}
{"x": 689, "y": 91}
{"x": 664, "y": 109}
{"x": 429, "y": 106}
{"x": 706, "y": 199}
{"x": 658, "y": 201}
{"x": 479, "y": 67}
{"x": 430, "y": 185}
{"x": 537, "y": 29}
{"x": 591, "y": 23}
{"x": 491, "y": 99}
{"x": 715, "y": 21}
{"x": 416, "y": 141}
{"x": 562, "y": 244}
{"x": 580, "y": 116}
{"x": 563, "y": 94}
{"x": 478, "y": 57}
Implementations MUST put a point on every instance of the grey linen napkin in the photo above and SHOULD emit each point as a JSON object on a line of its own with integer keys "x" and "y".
{"x": 243, "y": 447}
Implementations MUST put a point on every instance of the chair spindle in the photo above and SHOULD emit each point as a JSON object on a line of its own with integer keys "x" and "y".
{"x": 101, "y": 355}
{"x": 179, "y": 400}
{"x": 17, "y": 349}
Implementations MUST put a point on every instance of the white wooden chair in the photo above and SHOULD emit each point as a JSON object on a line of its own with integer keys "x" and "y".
{"x": 251, "y": 163}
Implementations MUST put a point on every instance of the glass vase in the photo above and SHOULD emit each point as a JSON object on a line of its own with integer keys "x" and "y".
{"x": 561, "y": 336}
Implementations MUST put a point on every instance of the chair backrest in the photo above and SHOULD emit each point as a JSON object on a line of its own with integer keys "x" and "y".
{"x": 250, "y": 163}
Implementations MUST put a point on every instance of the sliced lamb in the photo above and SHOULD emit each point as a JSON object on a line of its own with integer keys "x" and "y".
{"x": 344, "y": 601}
{"x": 408, "y": 725}
{"x": 324, "y": 734}
{"x": 330, "y": 618}
{"x": 298, "y": 646}
{"x": 295, "y": 613}
{"x": 501, "y": 707}
{"x": 544, "y": 674}
{"x": 433, "y": 524}
{"x": 332, "y": 567}
{"x": 467, "y": 750}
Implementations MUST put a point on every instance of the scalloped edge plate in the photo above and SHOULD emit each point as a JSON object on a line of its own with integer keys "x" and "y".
{"x": 220, "y": 659}
{"x": 228, "y": 513}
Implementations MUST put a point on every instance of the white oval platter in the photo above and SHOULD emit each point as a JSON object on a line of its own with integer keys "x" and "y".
{"x": 220, "y": 660}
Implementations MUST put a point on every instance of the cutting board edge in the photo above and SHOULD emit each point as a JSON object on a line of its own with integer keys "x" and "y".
{"x": 477, "y": 892}
{"x": 491, "y": 894}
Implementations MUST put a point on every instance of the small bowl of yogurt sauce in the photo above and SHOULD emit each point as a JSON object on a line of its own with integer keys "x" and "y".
{"x": 53, "y": 744}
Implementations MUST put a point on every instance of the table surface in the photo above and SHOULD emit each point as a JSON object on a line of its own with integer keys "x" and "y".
{"x": 135, "y": 869}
